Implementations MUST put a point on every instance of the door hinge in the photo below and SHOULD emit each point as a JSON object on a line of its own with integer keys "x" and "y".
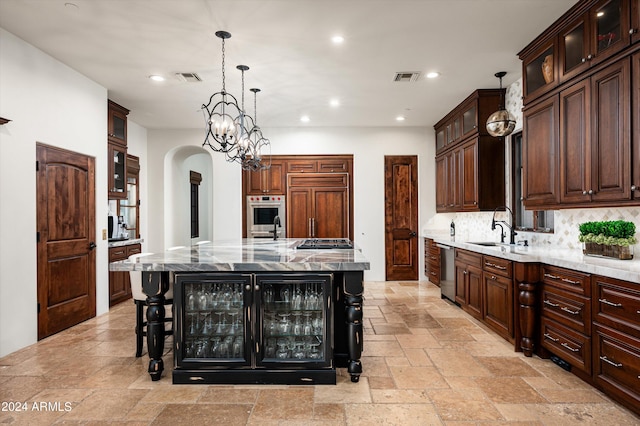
{"x": 37, "y": 237}
{"x": 37, "y": 166}
{"x": 38, "y": 307}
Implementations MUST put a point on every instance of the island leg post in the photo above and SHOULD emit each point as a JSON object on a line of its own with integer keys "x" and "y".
{"x": 353, "y": 290}
{"x": 155, "y": 285}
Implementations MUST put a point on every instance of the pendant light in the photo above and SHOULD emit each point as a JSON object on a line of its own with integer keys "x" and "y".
{"x": 223, "y": 117}
{"x": 501, "y": 123}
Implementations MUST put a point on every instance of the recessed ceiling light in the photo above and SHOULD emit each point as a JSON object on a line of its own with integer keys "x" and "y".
{"x": 337, "y": 39}
{"x": 400, "y": 118}
{"x": 433, "y": 74}
{"x": 334, "y": 102}
{"x": 156, "y": 77}
{"x": 305, "y": 119}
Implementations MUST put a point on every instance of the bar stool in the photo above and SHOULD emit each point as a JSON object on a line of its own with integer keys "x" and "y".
{"x": 140, "y": 300}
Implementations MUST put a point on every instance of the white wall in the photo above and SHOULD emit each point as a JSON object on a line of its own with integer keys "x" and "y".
{"x": 368, "y": 146}
{"x": 45, "y": 100}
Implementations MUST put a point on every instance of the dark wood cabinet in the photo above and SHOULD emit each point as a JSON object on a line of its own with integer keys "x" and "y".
{"x": 468, "y": 267}
{"x": 117, "y": 123}
{"x": 565, "y": 325}
{"x": 635, "y": 133}
{"x": 117, "y": 150}
{"x": 498, "y": 295}
{"x": 616, "y": 361}
{"x": 318, "y": 205}
{"x": 268, "y": 181}
{"x": 119, "y": 283}
{"x": 432, "y": 261}
{"x": 600, "y": 32}
{"x": 580, "y": 131}
{"x": 634, "y": 31}
{"x": 540, "y": 154}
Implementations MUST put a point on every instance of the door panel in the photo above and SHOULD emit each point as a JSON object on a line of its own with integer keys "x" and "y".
{"x": 331, "y": 213}
{"x": 298, "y": 212}
{"x": 66, "y": 226}
{"x": 401, "y": 217}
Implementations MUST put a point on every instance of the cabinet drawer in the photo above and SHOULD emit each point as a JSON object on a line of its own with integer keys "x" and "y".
{"x": 316, "y": 180}
{"x": 333, "y": 165}
{"x": 117, "y": 253}
{"x": 617, "y": 304}
{"x": 573, "y": 347}
{"x": 617, "y": 363}
{"x": 567, "y": 308}
{"x": 305, "y": 166}
{"x": 133, "y": 249}
{"x": 469, "y": 257}
{"x": 567, "y": 279}
{"x": 498, "y": 266}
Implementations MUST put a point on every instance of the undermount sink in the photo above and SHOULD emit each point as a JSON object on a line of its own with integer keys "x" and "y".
{"x": 486, "y": 243}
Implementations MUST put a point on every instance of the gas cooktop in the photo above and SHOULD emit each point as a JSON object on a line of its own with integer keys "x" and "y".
{"x": 326, "y": 243}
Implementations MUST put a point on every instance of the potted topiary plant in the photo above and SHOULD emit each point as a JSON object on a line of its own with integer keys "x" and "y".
{"x": 608, "y": 238}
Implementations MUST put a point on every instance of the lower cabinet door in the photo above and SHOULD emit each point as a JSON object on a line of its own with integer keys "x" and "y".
{"x": 617, "y": 364}
{"x": 293, "y": 321}
{"x": 474, "y": 296}
{"x": 498, "y": 304}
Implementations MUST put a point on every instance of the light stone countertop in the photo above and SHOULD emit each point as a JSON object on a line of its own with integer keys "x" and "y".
{"x": 627, "y": 270}
{"x": 247, "y": 255}
{"x": 125, "y": 242}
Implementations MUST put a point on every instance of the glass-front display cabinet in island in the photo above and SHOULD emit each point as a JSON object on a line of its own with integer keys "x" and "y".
{"x": 253, "y": 328}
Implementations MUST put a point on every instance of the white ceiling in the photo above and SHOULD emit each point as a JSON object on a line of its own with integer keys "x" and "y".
{"x": 286, "y": 44}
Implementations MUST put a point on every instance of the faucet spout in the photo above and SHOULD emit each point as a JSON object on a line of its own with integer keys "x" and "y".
{"x": 511, "y": 226}
{"x": 276, "y": 225}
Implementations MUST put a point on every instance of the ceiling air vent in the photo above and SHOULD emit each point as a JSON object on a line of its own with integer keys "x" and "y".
{"x": 189, "y": 77}
{"x": 407, "y": 76}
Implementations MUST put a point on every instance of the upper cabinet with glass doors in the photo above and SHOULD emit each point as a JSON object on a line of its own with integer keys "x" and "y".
{"x": 600, "y": 32}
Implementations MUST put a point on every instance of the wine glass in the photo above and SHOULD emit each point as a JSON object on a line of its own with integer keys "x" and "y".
{"x": 222, "y": 323}
{"x": 238, "y": 347}
{"x": 297, "y": 324}
{"x": 284, "y": 326}
{"x": 282, "y": 352}
{"x": 296, "y": 301}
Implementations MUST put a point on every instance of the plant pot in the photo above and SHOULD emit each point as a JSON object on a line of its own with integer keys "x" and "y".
{"x": 605, "y": 250}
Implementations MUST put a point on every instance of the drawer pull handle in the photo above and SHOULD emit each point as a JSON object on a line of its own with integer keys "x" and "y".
{"x": 548, "y": 336}
{"x": 569, "y": 347}
{"x": 606, "y": 302}
{"x": 564, "y": 308}
{"x": 553, "y": 277}
{"x": 549, "y": 303}
{"x": 493, "y": 265}
{"x": 567, "y": 280}
{"x": 608, "y": 361}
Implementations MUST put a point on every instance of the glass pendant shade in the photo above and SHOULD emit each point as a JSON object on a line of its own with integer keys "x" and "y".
{"x": 501, "y": 123}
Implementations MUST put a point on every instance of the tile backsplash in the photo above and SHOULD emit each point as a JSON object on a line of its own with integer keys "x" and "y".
{"x": 477, "y": 226}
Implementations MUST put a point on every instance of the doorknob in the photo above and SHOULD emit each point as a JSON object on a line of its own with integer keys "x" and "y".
{"x": 92, "y": 245}
{"x": 412, "y": 234}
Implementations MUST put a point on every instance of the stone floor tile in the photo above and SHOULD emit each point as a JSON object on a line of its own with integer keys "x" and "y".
{"x": 391, "y": 414}
{"x": 450, "y": 362}
{"x": 417, "y": 378}
{"x": 203, "y": 414}
{"x": 284, "y": 404}
{"x": 509, "y": 390}
{"x": 345, "y": 392}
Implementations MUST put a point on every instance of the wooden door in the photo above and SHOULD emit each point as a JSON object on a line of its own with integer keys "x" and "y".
{"x": 498, "y": 304}
{"x": 461, "y": 283}
{"x": 540, "y": 154}
{"x": 610, "y": 142}
{"x": 442, "y": 188}
{"x": 65, "y": 190}
{"x": 575, "y": 155}
{"x": 401, "y": 217}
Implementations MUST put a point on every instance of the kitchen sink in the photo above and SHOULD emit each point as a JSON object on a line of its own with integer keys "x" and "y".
{"x": 487, "y": 243}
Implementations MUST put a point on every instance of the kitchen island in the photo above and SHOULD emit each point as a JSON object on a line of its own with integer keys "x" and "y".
{"x": 331, "y": 278}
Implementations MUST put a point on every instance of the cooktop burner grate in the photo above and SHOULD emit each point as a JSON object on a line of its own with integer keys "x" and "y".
{"x": 326, "y": 243}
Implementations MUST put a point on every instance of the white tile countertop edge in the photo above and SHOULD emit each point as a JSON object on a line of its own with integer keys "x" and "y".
{"x": 627, "y": 270}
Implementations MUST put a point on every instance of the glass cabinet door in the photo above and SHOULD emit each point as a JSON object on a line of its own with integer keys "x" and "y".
{"x": 214, "y": 326}
{"x": 294, "y": 320}
{"x": 574, "y": 49}
{"x": 611, "y": 30}
{"x": 539, "y": 71}
{"x": 117, "y": 172}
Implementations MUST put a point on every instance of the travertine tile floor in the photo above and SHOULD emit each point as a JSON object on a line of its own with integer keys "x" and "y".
{"x": 426, "y": 362}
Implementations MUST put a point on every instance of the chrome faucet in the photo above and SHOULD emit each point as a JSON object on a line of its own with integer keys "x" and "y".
{"x": 512, "y": 231}
{"x": 276, "y": 225}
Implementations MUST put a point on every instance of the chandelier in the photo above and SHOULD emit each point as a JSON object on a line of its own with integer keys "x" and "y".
{"x": 224, "y": 119}
{"x": 501, "y": 123}
{"x": 252, "y": 146}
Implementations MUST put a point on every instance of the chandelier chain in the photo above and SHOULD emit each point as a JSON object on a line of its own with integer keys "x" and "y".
{"x": 223, "y": 52}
